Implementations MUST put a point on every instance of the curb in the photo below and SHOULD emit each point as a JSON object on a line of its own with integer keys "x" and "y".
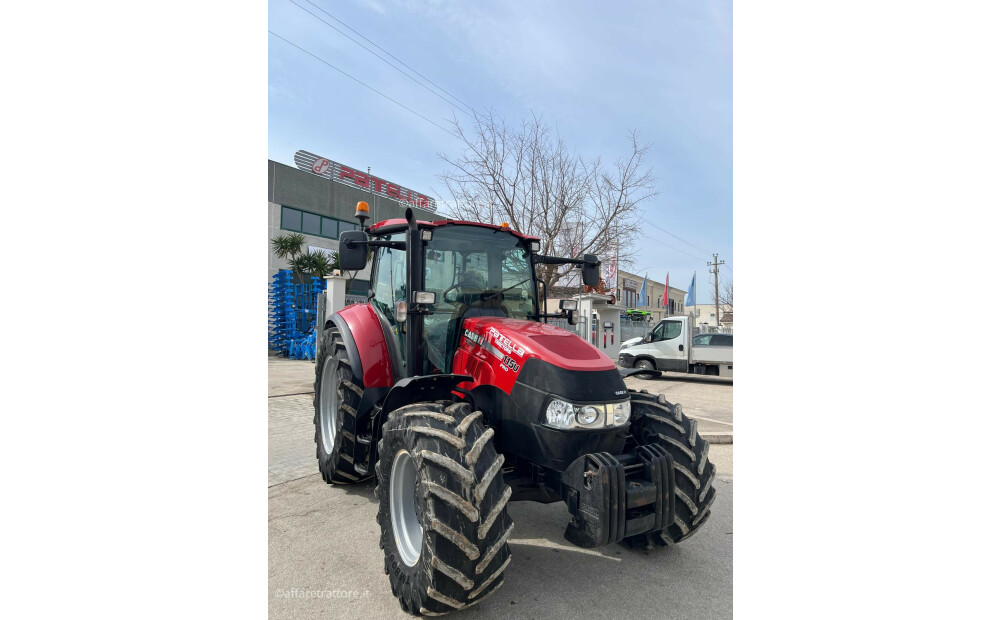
{"x": 717, "y": 437}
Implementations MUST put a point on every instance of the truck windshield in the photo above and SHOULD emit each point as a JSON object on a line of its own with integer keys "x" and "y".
{"x": 475, "y": 271}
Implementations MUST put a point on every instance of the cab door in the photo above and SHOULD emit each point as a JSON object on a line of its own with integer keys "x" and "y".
{"x": 667, "y": 341}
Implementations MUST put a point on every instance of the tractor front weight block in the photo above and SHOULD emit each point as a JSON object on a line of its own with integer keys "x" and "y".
{"x": 614, "y": 497}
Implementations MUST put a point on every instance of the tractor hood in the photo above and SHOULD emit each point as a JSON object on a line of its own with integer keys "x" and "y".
{"x": 495, "y": 350}
{"x": 521, "y": 340}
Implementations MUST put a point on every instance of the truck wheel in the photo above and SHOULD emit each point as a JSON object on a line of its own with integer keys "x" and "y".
{"x": 442, "y": 507}
{"x": 336, "y": 399}
{"x": 654, "y": 420}
{"x": 646, "y": 365}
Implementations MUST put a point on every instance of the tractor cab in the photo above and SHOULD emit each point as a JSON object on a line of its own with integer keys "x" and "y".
{"x": 453, "y": 270}
{"x": 472, "y": 271}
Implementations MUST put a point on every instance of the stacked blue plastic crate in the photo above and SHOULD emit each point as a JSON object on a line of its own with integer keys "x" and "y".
{"x": 281, "y": 326}
{"x": 291, "y": 328}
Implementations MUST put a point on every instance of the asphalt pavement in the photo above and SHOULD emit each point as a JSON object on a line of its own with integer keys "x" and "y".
{"x": 324, "y": 560}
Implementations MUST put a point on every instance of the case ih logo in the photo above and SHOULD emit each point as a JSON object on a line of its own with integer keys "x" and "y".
{"x": 329, "y": 169}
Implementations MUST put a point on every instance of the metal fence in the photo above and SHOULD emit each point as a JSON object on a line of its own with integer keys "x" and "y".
{"x": 635, "y": 329}
{"x": 706, "y": 329}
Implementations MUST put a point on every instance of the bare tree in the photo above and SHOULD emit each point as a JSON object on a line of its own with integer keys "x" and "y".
{"x": 725, "y": 296}
{"x": 527, "y": 176}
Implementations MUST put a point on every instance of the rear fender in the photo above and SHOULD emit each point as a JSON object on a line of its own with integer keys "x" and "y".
{"x": 366, "y": 342}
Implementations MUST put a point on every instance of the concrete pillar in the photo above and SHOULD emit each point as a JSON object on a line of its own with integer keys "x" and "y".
{"x": 336, "y": 294}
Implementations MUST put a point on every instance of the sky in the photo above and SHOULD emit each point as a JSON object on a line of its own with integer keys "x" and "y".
{"x": 594, "y": 71}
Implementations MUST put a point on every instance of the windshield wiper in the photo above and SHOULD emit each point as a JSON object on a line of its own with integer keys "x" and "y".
{"x": 485, "y": 296}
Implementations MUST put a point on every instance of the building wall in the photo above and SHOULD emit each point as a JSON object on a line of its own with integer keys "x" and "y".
{"x": 291, "y": 187}
{"x": 705, "y": 314}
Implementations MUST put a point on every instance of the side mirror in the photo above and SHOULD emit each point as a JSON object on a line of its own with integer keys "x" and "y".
{"x": 571, "y": 317}
{"x": 353, "y": 250}
{"x": 591, "y": 270}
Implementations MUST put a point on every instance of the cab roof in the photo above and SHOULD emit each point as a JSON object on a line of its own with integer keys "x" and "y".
{"x": 398, "y": 223}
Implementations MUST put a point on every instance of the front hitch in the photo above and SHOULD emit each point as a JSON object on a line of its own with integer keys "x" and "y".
{"x": 614, "y": 497}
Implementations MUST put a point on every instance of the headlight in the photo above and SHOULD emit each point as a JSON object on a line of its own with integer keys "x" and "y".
{"x": 559, "y": 414}
{"x": 587, "y": 415}
{"x": 622, "y": 412}
{"x": 625, "y": 346}
{"x": 562, "y": 414}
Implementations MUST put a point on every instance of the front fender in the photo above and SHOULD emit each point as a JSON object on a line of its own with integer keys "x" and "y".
{"x": 421, "y": 389}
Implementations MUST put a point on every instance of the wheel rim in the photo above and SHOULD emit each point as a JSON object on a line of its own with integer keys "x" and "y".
{"x": 328, "y": 404}
{"x": 406, "y": 526}
{"x": 644, "y": 365}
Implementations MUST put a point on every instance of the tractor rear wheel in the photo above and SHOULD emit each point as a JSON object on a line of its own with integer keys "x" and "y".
{"x": 335, "y": 401}
{"x": 654, "y": 420}
{"x": 442, "y": 507}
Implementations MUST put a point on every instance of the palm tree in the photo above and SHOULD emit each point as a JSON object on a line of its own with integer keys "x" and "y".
{"x": 317, "y": 264}
{"x": 287, "y": 246}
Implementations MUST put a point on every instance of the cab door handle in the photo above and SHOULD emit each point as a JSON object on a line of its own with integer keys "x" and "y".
{"x": 680, "y": 347}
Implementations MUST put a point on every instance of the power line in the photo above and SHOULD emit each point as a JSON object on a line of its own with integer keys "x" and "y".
{"x": 393, "y": 57}
{"x": 362, "y": 83}
{"x": 672, "y": 247}
{"x": 424, "y": 86}
{"x": 678, "y": 238}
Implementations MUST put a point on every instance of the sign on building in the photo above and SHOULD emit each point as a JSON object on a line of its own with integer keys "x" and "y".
{"x": 342, "y": 173}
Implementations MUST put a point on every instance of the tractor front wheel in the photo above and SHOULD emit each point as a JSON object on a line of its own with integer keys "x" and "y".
{"x": 655, "y": 420}
{"x": 442, "y": 507}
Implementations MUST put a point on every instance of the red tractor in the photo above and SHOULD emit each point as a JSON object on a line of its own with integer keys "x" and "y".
{"x": 450, "y": 386}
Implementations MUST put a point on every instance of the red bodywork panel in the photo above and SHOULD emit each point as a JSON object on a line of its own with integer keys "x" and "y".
{"x": 423, "y": 224}
{"x": 493, "y": 350}
{"x": 372, "y": 348}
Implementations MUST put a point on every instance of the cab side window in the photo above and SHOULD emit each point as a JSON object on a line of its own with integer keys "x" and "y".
{"x": 389, "y": 285}
{"x": 657, "y": 333}
{"x": 667, "y": 330}
{"x": 671, "y": 330}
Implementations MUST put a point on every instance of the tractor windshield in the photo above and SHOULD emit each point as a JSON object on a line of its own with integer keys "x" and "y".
{"x": 475, "y": 271}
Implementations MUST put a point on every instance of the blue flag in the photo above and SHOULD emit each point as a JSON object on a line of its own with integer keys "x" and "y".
{"x": 642, "y": 293}
{"x": 689, "y": 298}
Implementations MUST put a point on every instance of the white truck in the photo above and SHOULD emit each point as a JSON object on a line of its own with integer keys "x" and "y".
{"x": 672, "y": 345}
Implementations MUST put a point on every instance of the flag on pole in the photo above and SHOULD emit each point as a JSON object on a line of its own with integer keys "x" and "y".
{"x": 689, "y": 298}
{"x": 666, "y": 295}
{"x": 642, "y": 293}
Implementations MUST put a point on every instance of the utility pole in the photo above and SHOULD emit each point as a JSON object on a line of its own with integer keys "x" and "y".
{"x": 715, "y": 270}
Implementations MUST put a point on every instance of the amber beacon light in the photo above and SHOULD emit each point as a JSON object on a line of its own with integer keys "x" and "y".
{"x": 361, "y": 212}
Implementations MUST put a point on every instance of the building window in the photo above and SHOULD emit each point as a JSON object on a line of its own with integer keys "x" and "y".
{"x": 310, "y": 223}
{"x": 313, "y": 224}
